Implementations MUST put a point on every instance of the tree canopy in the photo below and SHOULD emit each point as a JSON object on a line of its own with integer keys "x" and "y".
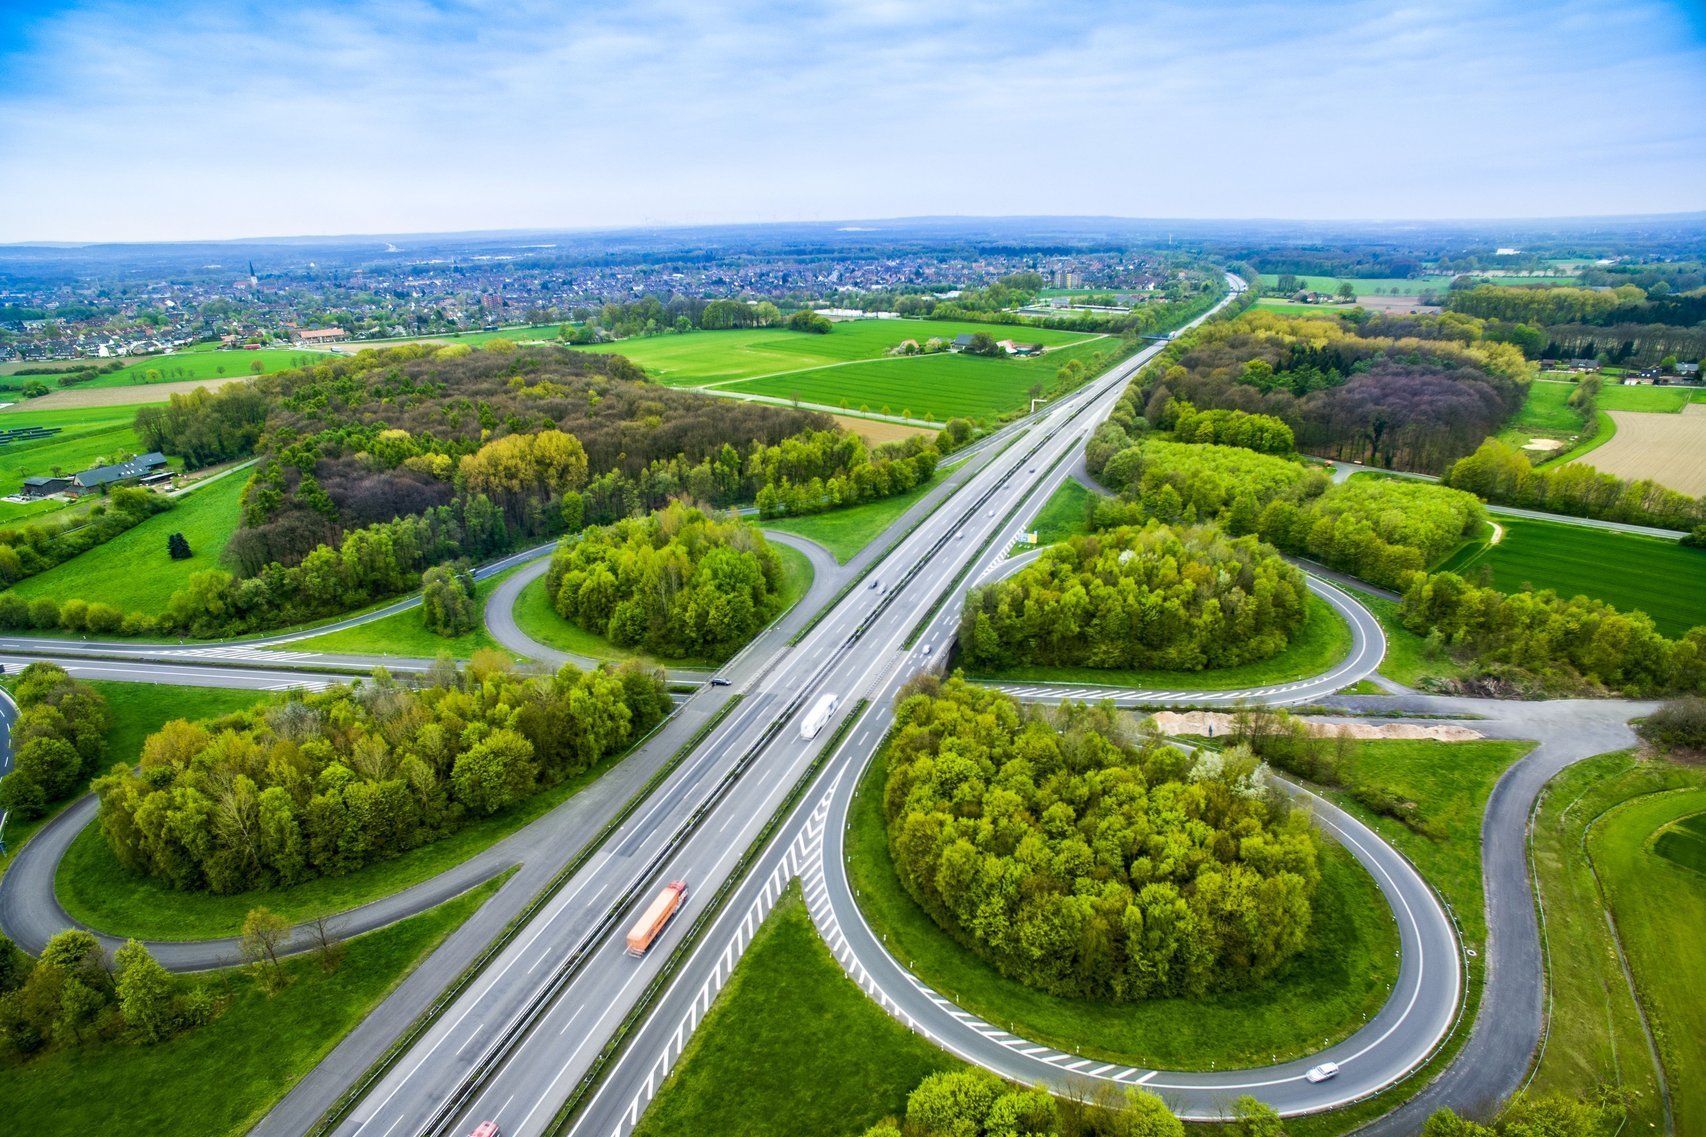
{"x": 1152, "y": 597}
{"x": 678, "y": 582}
{"x": 325, "y": 783}
{"x": 1085, "y": 862}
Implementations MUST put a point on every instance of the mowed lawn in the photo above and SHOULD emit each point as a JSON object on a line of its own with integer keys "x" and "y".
{"x": 932, "y": 387}
{"x": 698, "y": 358}
{"x": 1649, "y": 574}
{"x": 132, "y": 572}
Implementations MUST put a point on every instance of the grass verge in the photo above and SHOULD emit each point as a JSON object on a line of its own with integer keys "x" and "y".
{"x": 1063, "y": 514}
{"x": 1594, "y": 1034}
{"x": 791, "y": 1046}
{"x": 1324, "y": 641}
{"x": 1408, "y": 660}
{"x": 221, "y": 1078}
{"x": 404, "y": 634}
{"x": 1325, "y": 993}
{"x": 844, "y": 532}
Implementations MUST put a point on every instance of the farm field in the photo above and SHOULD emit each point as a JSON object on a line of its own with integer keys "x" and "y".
{"x": 933, "y": 387}
{"x": 132, "y": 571}
{"x": 189, "y": 364}
{"x": 1659, "y": 577}
{"x": 700, "y": 358}
{"x": 1287, "y": 308}
{"x": 1669, "y": 449}
{"x": 87, "y": 438}
{"x": 1375, "y": 286}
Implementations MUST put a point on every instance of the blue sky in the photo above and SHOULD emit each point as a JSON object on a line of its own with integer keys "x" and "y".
{"x": 166, "y": 120}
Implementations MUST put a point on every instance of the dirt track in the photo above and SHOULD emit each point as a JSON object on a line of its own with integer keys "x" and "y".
{"x": 1199, "y": 722}
{"x": 1669, "y": 449}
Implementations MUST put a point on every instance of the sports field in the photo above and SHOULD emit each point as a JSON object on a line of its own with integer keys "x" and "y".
{"x": 1655, "y": 576}
{"x": 132, "y": 571}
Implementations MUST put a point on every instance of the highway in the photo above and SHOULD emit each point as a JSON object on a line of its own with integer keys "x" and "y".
{"x": 517, "y": 1041}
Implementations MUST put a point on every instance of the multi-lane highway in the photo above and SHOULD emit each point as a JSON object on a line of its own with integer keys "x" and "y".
{"x": 518, "y": 1040}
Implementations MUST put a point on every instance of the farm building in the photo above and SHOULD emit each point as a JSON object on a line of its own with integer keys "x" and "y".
{"x": 95, "y": 479}
{"x": 319, "y": 335}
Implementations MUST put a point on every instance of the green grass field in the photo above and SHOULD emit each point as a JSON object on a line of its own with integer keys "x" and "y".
{"x": 932, "y": 387}
{"x": 1659, "y": 908}
{"x": 1407, "y": 660}
{"x": 140, "y": 709}
{"x": 1684, "y": 843}
{"x": 790, "y": 1047}
{"x": 1323, "y": 993}
{"x": 1649, "y": 574}
{"x": 1379, "y": 286}
{"x": 1450, "y": 783}
{"x": 132, "y": 571}
{"x": 403, "y": 634}
{"x": 1596, "y": 1037}
{"x": 1546, "y": 410}
{"x": 538, "y": 620}
{"x": 846, "y": 531}
{"x": 220, "y": 1079}
{"x": 1323, "y": 642}
{"x": 1287, "y": 308}
{"x": 698, "y": 358}
{"x": 1062, "y": 515}
{"x": 200, "y": 364}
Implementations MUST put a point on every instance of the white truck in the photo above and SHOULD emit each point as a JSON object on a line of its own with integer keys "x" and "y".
{"x": 818, "y": 717}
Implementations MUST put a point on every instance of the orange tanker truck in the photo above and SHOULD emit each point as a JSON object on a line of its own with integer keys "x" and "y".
{"x": 648, "y": 926}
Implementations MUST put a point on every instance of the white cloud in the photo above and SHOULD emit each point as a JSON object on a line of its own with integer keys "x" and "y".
{"x": 406, "y": 115}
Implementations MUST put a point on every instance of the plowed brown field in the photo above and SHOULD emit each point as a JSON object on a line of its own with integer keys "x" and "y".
{"x": 1669, "y": 449}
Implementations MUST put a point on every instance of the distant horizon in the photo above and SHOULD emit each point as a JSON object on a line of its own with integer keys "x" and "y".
{"x": 142, "y": 121}
{"x": 1302, "y": 223}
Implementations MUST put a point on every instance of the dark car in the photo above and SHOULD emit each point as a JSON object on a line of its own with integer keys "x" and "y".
{"x": 719, "y": 681}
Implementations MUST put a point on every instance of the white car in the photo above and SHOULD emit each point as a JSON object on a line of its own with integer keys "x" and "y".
{"x": 1322, "y": 1072}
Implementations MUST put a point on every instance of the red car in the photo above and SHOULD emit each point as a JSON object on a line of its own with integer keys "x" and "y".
{"x": 487, "y": 1129}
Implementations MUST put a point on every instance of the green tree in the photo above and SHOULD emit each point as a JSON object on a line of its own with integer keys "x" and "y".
{"x": 178, "y": 547}
{"x": 145, "y": 993}
{"x": 264, "y": 936}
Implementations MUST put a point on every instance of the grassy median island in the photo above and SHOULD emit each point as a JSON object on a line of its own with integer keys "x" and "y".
{"x": 845, "y": 532}
{"x": 1607, "y": 886}
{"x": 1322, "y": 642}
{"x": 538, "y": 620}
{"x": 1325, "y": 993}
{"x": 791, "y": 1046}
{"x": 221, "y": 1078}
{"x": 406, "y": 634}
